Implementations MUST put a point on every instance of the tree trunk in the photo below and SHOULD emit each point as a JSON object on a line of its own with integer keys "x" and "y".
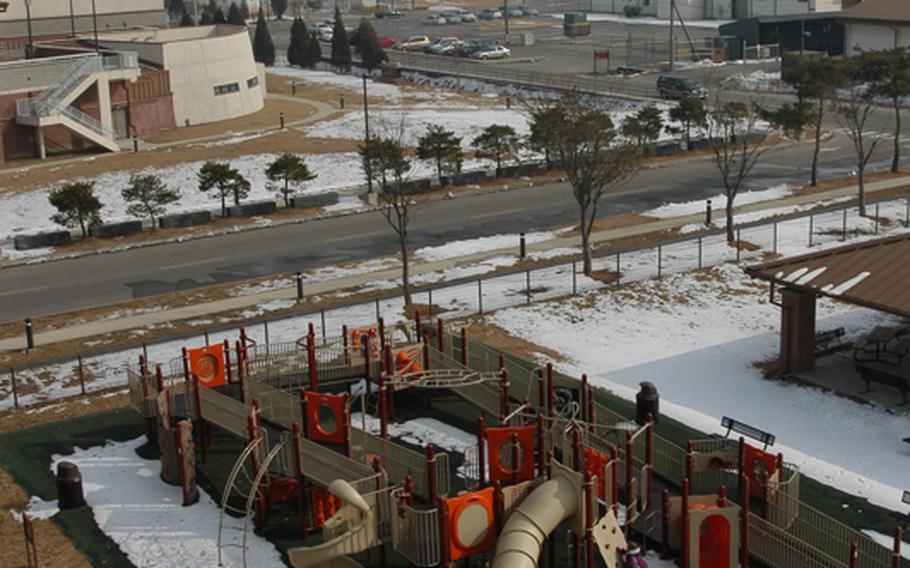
{"x": 405, "y": 269}
{"x": 861, "y": 182}
{"x": 731, "y": 231}
{"x": 498, "y": 164}
{"x": 896, "y": 160}
{"x": 287, "y": 191}
{"x": 439, "y": 170}
{"x": 587, "y": 265}
{"x": 818, "y": 143}
{"x": 236, "y": 197}
{"x": 82, "y": 225}
{"x": 154, "y": 224}
{"x": 223, "y": 206}
{"x": 688, "y": 137}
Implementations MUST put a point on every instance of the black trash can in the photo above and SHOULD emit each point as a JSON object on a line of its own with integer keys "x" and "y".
{"x": 647, "y": 401}
{"x": 69, "y": 486}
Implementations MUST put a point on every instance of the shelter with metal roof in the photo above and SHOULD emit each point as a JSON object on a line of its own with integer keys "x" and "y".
{"x": 873, "y": 274}
{"x": 814, "y": 32}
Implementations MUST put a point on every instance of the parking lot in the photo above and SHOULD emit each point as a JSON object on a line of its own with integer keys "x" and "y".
{"x": 643, "y": 44}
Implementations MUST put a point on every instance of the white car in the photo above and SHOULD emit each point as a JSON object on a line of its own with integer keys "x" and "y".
{"x": 325, "y": 34}
{"x": 414, "y": 43}
{"x": 496, "y": 52}
{"x": 434, "y": 20}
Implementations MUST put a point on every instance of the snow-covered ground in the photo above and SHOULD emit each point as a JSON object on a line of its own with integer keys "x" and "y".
{"x": 145, "y": 517}
{"x": 696, "y": 338}
{"x": 646, "y": 20}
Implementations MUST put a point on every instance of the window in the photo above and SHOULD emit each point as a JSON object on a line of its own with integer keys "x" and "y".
{"x": 254, "y": 82}
{"x": 226, "y": 88}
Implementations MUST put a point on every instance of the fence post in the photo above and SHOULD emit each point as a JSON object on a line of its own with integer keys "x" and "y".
{"x": 738, "y": 246}
{"x": 744, "y": 511}
{"x": 774, "y": 245}
{"x": 876, "y": 218}
{"x": 265, "y": 325}
{"x": 322, "y": 322}
{"x": 811, "y": 220}
{"x": 464, "y": 347}
{"x": 378, "y": 314}
{"x": 81, "y": 374}
{"x": 528, "y": 286}
{"x": 907, "y": 213}
{"x": 12, "y": 374}
{"x": 479, "y": 295}
{"x": 618, "y": 271}
{"x": 575, "y": 276}
{"x": 429, "y": 304}
{"x": 854, "y": 555}
{"x": 699, "y": 252}
{"x": 896, "y": 550}
{"x": 659, "y": 259}
{"x": 843, "y": 230}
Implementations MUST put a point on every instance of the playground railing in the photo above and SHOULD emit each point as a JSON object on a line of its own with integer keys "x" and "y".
{"x": 669, "y": 460}
{"x": 706, "y": 480}
{"x": 415, "y": 535}
{"x": 399, "y": 462}
{"x": 368, "y": 484}
{"x": 324, "y": 465}
{"x": 482, "y": 395}
{"x": 142, "y": 389}
{"x": 275, "y": 405}
{"x": 777, "y": 548}
{"x": 225, "y": 412}
{"x": 824, "y": 533}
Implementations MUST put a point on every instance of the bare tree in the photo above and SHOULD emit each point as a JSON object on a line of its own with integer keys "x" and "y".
{"x": 387, "y": 162}
{"x": 738, "y": 140}
{"x": 595, "y": 157}
{"x": 855, "y": 105}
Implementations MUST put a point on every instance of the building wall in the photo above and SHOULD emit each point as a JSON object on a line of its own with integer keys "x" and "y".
{"x": 54, "y": 16}
{"x": 867, "y": 36}
{"x": 719, "y": 9}
{"x": 197, "y": 67}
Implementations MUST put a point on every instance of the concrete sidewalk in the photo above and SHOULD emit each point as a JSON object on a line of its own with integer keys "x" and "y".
{"x": 209, "y": 308}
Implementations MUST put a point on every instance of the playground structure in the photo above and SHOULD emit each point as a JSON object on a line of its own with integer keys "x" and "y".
{"x": 555, "y": 474}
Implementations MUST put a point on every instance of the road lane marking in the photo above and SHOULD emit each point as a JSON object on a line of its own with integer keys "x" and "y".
{"x": 193, "y": 263}
{"x": 353, "y": 237}
{"x": 496, "y": 213}
{"x": 23, "y": 291}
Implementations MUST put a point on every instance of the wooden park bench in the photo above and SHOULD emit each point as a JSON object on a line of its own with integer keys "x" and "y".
{"x": 882, "y": 375}
{"x": 828, "y": 342}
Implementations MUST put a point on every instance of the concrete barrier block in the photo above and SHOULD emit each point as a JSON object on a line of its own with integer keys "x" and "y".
{"x": 314, "y": 200}
{"x": 663, "y": 149}
{"x": 465, "y": 178}
{"x": 115, "y": 230}
{"x": 41, "y": 240}
{"x": 252, "y": 209}
{"x": 521, "y": 170}
{"x": 178, "y": 220}
{"x": 415, "y": 186}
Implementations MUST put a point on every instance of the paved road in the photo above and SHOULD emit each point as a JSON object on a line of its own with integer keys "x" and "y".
{"x": 95, "y": 280}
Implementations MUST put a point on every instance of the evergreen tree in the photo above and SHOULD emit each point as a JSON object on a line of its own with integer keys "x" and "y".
{"x": 263, "y": 48}
{"x": 147, "y": 196}
{"x": 313, "y": 51}
{"x": 186, "y": 20}
{"x": 544, "y": 122}
{"x": 643, "y": 127}
{"x": 497, "y": 142}
{"x": 224, "y": 178}
{"x": 690, "y": 111}
{"x": 218, "y": 16}
{"x": 341, "y": 48}
{"x": 176, "y": 8}
{"x": 367, "y": 45}
{"x": 245, "y": 10}
{"x": 288, "y": 169}
{"x": 297, "y": 48}
{"x": 205, "y": 19}
{"x": 76, "y": 206}
{"x": 441, "y": 146}
{"x": 279, "y": 7}
{"x": 235, "y": 16}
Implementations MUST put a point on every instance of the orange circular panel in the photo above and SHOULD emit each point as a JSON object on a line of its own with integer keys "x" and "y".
{"x": 207, "y": 367}
{"x": 326, "y": 419}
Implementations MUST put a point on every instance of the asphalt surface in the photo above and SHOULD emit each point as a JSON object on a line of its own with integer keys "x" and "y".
{"x": 31, "y": 291}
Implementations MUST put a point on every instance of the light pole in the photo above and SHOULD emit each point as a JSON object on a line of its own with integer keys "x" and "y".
{"x": 367, "y": 145}
{"x": 95, "y": 24}
{"x": 72, "y": 20}
{"x": 28, "y": 21}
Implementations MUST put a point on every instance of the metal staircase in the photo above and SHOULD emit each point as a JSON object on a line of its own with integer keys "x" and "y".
{"x": 53, "y": 105}
{"x": 249, "y": 489}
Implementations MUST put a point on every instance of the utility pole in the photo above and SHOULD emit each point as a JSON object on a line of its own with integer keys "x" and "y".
{"x": 72, "y": 20}
{"x": 95, "y": 24}
{"x": 505, "y": 17}
{"x": 672, "y": 39}
{"x": 28, "y": 20}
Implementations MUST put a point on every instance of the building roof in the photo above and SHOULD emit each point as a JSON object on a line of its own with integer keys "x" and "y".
{"x": 873, "y": 274}
{"x": 879, "y": 10}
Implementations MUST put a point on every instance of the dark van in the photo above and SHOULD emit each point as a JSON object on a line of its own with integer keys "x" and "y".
{"x": 673, "y": 87}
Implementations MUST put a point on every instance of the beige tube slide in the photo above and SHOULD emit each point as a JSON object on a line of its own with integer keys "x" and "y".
{"x": 531, "y": 522}
{"x": 355, "y": 516}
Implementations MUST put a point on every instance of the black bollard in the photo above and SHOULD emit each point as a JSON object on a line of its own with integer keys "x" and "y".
{"x": 708, "y": 213}
{"x": 293, "y": 88}
{"x": 69, "y": 486}
{"x": 29, "y": 334}
{"x": 522, "y": 248}
{"x": 281, "y": 119}
{"x": 647, "y": 401}
{"x": 299, "y": 286}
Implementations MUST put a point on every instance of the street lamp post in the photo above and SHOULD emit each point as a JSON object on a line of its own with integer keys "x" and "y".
{"x": 28, "y": 20}
{"x": 95, "y": 24}
{"x": 366, "y": 128}
{"x": 72, "y": 20}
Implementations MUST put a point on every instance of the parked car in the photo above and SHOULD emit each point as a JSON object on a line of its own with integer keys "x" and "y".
{"x": 530, "y": 12}
{"x": 490, "y": 14}
{"x": 451, "y": 17}
{"x": 674, "y": 87}
{"x": 325, "y": 34}
{"x": 468, "y": 18}
{"x": 388, "y": 14}
{"x": 414, "y": 43}
{"x": 437, "y": 44}
{"x": 387, "y": 42}
{"x": 452, "y": 48}
{"x": 496, "y": 52}
{"x": 512, "y": 11}
{"x": 434, "y": 20}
